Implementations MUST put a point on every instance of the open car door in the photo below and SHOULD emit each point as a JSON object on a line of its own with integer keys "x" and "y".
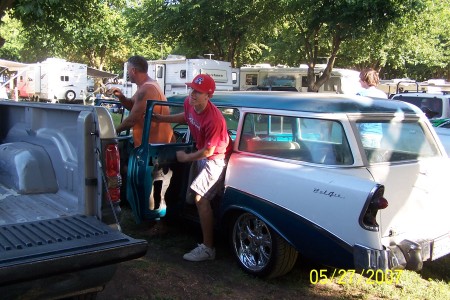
{"x": 145, "y": 158}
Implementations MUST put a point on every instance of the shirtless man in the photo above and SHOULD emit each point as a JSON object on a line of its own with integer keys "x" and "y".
{"x": 160, "y": 133}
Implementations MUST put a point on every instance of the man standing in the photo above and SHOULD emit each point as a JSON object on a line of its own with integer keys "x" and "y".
{"x": 147, "y": 89}
{"x": 209, "y": 130}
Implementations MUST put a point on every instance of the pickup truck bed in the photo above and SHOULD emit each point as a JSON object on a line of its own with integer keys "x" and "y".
{"x": 15, "y": 208}
{"x": 55, "y": 241}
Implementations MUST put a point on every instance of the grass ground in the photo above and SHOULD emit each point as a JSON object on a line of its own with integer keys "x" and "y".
{"x": 163, "y": 274}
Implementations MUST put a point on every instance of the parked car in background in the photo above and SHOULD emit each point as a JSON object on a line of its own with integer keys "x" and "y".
{"x": 434, "y": 105}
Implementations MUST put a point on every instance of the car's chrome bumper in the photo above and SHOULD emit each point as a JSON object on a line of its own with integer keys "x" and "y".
{"x": 405, "y": 255}
{"x": 367, "y": 258}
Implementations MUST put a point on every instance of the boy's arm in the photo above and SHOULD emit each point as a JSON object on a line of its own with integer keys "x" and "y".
{"x": 175, "y": 118}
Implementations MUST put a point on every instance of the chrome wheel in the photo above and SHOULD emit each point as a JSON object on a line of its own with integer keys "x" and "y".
{"x": 252, "y": 242}
{"x": 259, "y": 249}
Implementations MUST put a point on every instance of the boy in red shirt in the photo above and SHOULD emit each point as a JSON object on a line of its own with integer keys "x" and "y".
{"x": 209, "y": 130}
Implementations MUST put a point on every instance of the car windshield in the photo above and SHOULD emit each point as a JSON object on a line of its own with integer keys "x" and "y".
{"x": 395, "y": 141}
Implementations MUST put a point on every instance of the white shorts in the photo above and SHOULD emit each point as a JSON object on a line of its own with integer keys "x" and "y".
{"x": 208, "y": 176}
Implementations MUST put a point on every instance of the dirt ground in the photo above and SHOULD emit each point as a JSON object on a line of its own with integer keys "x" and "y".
{"x": 163, "y": 274}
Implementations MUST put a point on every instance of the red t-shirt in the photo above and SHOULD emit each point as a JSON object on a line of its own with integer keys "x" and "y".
{"x": 208, "y": 128}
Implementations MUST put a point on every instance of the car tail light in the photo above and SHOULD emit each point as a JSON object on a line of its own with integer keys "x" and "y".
{"x": 112, "y": 171}
{"x": 375, "y": 202}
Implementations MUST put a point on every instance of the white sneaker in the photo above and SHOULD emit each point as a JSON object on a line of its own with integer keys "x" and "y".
{"x": 200, "y": 253}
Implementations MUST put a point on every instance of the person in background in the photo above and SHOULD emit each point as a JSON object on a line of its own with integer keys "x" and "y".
{"x": 371, "y": 132}
{"x": 369, "y": 80}
{"x": 209, "y": 130}
{"x": 147, "y": 89}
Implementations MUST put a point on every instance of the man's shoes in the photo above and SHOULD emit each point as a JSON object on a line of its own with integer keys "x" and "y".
{"x": 200, "y": 253}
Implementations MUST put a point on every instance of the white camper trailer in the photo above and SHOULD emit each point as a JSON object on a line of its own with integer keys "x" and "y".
{"x": 54, "y": 80}
{"x": 267, "y": 77}
{"x": 172, "y": 74}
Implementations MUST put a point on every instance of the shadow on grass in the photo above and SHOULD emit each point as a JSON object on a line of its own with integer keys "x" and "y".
{"x": 437, "y": 270}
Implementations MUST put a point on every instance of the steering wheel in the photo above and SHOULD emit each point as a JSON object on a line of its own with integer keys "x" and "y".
{"x": 180, "y": 131}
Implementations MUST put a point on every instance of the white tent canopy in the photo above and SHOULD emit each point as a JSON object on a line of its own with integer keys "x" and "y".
{"x": 99, "y": 73}
{"x": 11, "y": 65}
{"x": 15, "y": 66}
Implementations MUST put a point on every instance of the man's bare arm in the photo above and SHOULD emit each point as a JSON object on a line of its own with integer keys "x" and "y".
{"x": 136, "y": 113}
{"x": 126, "y": 102}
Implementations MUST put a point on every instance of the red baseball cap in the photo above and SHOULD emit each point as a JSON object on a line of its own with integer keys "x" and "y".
{"x": 203, "y": 83}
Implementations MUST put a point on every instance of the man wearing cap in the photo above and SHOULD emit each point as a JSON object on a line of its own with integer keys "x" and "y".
{"x": 209, "y": 130}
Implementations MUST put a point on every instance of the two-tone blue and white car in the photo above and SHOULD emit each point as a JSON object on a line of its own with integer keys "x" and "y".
{"x": 349, "y": 181}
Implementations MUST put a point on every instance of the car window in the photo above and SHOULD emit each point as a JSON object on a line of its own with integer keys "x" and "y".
{"x": 431, "y": 106}
{"x": 231, "y": 116}
{"x": 394, "y": 141}
{"x": 304, "y": 139}
{"x": 181, "y": 130}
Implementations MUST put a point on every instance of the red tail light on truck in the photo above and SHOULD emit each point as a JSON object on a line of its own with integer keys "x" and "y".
{"x": 112, "y": 170}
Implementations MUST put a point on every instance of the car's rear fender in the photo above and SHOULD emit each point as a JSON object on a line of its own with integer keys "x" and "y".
{"x": 324, "y": 196}
{"x": 308, "y": 238}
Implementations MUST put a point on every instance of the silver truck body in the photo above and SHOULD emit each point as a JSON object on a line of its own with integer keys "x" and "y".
{"x": 55, "y": 238}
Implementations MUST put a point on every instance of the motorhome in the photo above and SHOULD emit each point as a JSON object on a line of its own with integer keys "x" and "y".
{"x": 172, "y": 74}
{"x": 267, "y": 77}
{"x": 53, "y": 80}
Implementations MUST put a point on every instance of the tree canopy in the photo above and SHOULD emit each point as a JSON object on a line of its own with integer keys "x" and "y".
{"x": 322, "y": 26}
{"x": 400, "y": 38}
{"x": 198, "y": 27}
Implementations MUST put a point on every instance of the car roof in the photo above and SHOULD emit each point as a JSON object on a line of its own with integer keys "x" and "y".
{"x": 307, "y": 102}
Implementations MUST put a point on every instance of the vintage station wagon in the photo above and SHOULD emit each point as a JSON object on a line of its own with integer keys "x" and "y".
{"x": 349, "y": 181}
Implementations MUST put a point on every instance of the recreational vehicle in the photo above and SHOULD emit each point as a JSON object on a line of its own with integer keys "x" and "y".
{"x": 53, "y": 80}
{"x": 267, "y": 77}
{"x": 172, "y": 74}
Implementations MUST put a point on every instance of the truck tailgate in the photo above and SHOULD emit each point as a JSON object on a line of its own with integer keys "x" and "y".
{"x": 48, "y": 247}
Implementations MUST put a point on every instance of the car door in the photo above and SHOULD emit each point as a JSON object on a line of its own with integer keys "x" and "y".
{"x": 143, "y": 159}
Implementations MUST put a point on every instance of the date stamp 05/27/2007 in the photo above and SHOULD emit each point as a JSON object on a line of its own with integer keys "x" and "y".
{"x": 324, "y": 276}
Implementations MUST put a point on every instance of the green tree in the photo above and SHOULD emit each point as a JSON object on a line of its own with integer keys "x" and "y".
{"x": 87, "y": 31}
{"x": 5, "y": 5}
{"x": 14, "y": 41}
{"x": 416, "y": 46}
{"x": 224, "y": 28}
{"x": 322, "y": 26}
{"x": 398, "y": 37}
